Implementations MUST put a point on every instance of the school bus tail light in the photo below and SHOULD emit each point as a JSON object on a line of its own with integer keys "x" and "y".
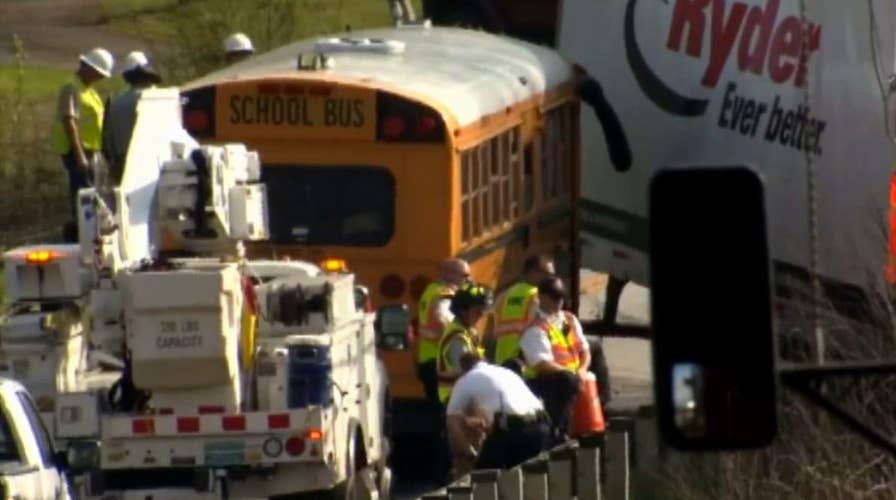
{"x": 426, "y": 126}
{"x": 198, "y": 108}
{"x": 393, "y": 127}
{"x": 403, "y": 120}
{"x": 196, "y": 120}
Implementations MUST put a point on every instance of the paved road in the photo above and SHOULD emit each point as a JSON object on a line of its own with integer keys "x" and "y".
{"x": 629, "y": 360}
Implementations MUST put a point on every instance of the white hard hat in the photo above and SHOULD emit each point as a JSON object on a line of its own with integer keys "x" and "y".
{"x": 238, "y": 42}
{"x": 99, "y": 59}
{"x": 134, "y": 60}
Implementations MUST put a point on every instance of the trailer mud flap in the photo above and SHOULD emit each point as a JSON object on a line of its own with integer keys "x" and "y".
{"x": 226, "y": 453}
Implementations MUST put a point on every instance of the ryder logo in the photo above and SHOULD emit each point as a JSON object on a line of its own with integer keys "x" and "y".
{"x": 753, "y": 39}
{"x": 762, "y": 41}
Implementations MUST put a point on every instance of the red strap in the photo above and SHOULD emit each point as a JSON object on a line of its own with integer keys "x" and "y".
{"x": 249, "y": 295}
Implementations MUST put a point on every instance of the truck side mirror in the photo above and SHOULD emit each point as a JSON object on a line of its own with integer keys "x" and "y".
{"x": 82, "y": 456}
{"x": 391, "y": 325}
{"x": 713, "y": 341}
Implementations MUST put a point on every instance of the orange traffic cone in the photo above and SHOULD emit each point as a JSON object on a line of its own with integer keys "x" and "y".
{"x": 588, "y": 413}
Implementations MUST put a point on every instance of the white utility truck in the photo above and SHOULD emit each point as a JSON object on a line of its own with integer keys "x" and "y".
{"x": 173, "y": 367}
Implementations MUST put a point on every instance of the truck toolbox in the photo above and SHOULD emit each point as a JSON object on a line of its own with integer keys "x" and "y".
{"x": 183, "y": 322}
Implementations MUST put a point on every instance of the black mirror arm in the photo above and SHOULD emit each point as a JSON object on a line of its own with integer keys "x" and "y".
{"x": 618, "y": 148}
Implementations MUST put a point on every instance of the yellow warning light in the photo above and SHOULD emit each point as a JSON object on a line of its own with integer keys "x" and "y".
{"x": 41, "y": 256}
{"x": 334, "y": 266}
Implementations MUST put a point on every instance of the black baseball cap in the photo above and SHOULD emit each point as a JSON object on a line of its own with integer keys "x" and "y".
{"x": 552, "y": 287}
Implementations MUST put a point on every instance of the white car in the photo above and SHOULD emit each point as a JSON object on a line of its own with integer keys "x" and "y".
{"x": 29, "y": 467}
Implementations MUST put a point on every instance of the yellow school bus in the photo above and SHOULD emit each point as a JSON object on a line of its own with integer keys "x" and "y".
{"x": 395, "y": 148}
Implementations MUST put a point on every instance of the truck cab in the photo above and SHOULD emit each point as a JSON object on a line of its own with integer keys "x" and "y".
{"x": 29, "y": 466}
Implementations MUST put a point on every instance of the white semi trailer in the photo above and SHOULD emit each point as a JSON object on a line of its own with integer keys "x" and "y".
{"x": 722, "y": 82}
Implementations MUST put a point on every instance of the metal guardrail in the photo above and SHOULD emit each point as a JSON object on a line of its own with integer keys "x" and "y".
{"x": 591, "y": 468}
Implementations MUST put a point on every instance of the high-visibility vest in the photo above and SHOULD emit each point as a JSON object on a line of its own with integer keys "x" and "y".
{"x": 90, "y": 121}
{"x": 512, "y": 315}
{"x": 448, "y": 374}
{"x": 564, "y": 345}
{"x": 429, "y": 327}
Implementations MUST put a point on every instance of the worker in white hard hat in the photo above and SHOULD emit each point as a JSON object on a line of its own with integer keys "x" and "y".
{"x": 238, "y": 47}
{"x": 77, "y": 129}
{"x": 121, "y": 112}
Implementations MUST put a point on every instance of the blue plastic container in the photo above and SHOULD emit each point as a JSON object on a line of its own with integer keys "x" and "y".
{"x": 309, "y": 376}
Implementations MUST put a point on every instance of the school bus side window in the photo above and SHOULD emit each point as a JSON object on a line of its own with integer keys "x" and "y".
{"x": 478, "y": 191}
{"x": 556, "y": 152}
{"x": 491, "y": 178}
{"x": 466, "y": 165}
{"x": 513, "y": 173}
{"x": 565, "y": 151}
{"x": 528, "y": 178}
{"x": 547, "y": 160}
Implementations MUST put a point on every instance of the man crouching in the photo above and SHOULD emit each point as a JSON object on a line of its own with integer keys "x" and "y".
{"x": 494, "y": 421}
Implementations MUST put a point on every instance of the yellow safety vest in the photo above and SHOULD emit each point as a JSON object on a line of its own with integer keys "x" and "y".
{"x": 563, "y": 347}
{"x": 448, "y": 374}
{"x": 429, "y": 328}
{"x": 90, "y": 121}
{"x": 511, "y": 318}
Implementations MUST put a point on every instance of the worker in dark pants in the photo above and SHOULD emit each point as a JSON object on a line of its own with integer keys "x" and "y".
{"x": 494, "y": 402}
{"x": 433, "y": 315}
{"x": 556, "y": 354}
{"x": 78, "y": 126}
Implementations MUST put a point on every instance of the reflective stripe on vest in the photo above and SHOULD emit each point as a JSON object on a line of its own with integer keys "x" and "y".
{"x": 564, "y": 348}
{"x": 428, "y": 325}
{"x": 447, "y": 374}
{"x": 90, "y": 121}
{"x": 511, "y": 318}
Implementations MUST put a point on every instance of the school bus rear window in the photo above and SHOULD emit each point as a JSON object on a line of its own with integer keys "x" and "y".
{"x": 344, "y": 206}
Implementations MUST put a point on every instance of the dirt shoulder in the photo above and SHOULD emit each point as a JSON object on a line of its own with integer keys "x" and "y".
{"x": 56, "y": 31}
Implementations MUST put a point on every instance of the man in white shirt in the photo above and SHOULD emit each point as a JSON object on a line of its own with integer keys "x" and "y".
{"x": 556, "y": 353}
{"x": 493, "y": 399}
